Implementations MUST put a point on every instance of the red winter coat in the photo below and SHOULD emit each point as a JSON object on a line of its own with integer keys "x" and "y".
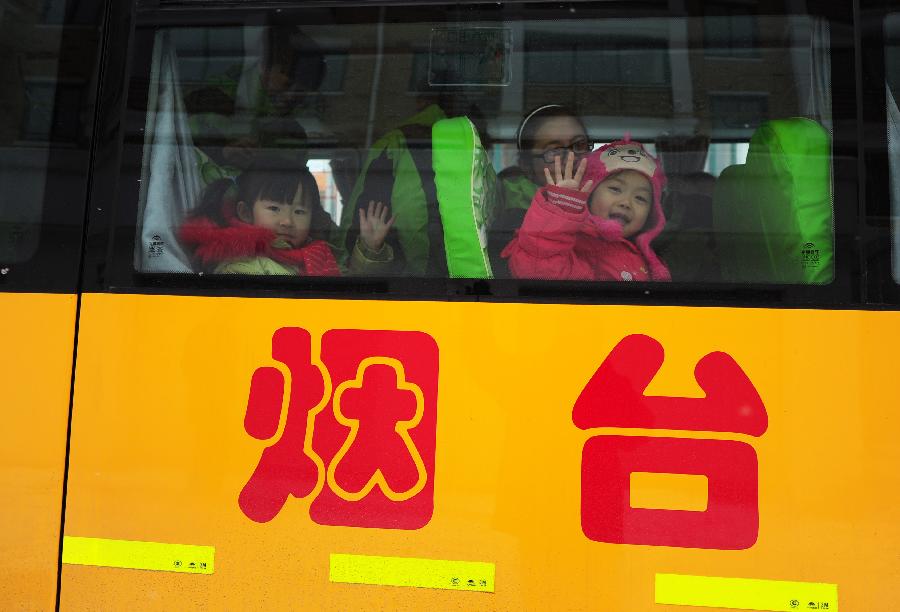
{"x": 561, "y": 240}
{"x": 213, "y": 245}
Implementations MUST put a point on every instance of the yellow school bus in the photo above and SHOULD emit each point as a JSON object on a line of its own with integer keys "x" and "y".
{"x": 227, "y": 422}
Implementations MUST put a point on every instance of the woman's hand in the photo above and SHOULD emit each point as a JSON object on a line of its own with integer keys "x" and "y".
{"x": 374, "y": 225}
{"x": 565, "y": 178}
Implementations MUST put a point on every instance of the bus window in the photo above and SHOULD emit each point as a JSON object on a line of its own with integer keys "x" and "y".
{"x": 361, "y": 106}
{"x": 892, "y": 90}
{"x": 48, "y": 66}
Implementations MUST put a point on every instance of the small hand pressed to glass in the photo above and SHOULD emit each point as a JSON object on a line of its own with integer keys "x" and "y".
{"x": 374, "y": 224}
{"x": 582, "y": 146}
{"x": 564, "y": 177}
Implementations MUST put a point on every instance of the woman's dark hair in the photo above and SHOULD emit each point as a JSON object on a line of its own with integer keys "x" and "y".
{"x": 533, "y": 121}
{"x": 274, "y": 179}
{"x": 529, "y": 127}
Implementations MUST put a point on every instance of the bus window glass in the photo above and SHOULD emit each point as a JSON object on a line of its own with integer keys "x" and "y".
{"x": 48, "y": 59}
{"x": 892, "y": 91}
{"x": 421, "y": 142}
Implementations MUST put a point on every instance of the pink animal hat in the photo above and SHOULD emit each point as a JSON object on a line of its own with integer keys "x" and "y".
{"x": 627, "y": 154}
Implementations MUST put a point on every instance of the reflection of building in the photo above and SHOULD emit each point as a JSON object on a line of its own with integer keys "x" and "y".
{"x": 719, "y": 75}
{"x": 46, "y": 76}
{"x": 49, "y": 52}
{"x": 719, "y": 72}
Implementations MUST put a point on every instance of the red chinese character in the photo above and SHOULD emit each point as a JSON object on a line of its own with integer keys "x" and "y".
{"x": 287, "y": 467}
{"x": 378, "y": 433}
{"x": 380, "y": 410}
{"x": 359, "y": 435}
{"x": 614, "y": 397}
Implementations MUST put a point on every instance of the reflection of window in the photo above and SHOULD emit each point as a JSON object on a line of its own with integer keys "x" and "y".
{"x": 724, "y": 154}
{"x": 736, "y": 34}
{"x": 470, "y": 56}
{"x": 741, "y": 111}
{"x": 418, "y": 75}
{"x": 207, "y": 55}
{"x": 62, "y": 12}
{"x": 52, "y": 111}
{"x": 335, "y": 68}
{"x": 53, "y": 11}
{"x": 561, "y": 58}
{"x": 892, "y": 53}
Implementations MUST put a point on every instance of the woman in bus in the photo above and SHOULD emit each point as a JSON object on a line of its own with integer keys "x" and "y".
{"x": 546, "y": 133}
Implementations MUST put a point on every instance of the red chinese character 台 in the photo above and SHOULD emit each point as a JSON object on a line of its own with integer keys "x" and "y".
{"x": 614, "y": 398}
{"x": 730, "y": 466}
{"x": 286, "y": 467}
{"x": 378, "y": 433}
{"x": 359, "y": 430}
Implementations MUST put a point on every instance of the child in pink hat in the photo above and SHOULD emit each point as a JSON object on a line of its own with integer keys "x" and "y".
{"x": 576, "y": 231}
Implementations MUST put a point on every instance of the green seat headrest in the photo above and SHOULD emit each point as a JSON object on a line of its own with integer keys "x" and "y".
{"x": 773, "y": 215}
{"x": 467, "y": 196}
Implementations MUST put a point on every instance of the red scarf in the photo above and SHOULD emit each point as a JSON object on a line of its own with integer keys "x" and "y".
{"x": 213, "y": 244}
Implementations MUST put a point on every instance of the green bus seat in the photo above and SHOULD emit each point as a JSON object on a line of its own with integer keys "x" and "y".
{"x": 467, "y": 196}
{"x": 773, "y": 215}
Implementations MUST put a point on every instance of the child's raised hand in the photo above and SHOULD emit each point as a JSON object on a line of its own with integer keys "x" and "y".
{"x": 374, "y": 225}
{"x": 564, "y": 178}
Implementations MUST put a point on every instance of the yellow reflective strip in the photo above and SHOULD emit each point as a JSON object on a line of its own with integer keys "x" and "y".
{"x": 128, "y": 554}
{"x": 404, "y": 571}
{"x": 745, "y": 593}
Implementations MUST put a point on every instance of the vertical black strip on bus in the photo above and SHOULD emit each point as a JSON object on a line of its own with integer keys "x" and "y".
{"x": 113, "y": 25}
{"x": 847, "y": 287}
{"x": 123, "y": 52}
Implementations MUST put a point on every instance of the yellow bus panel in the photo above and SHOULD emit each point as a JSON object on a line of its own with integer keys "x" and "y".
{"x": 35, "y": 378}
{"x": 483, "y": 455}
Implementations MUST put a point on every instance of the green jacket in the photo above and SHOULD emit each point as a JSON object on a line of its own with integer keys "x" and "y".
{"x": 390, "y": 159}
{"x": 518, "y": 191}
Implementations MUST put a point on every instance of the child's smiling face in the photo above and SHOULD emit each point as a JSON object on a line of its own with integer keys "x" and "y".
{"x": 626, "y": 198}
{"x": 290, "y": 221}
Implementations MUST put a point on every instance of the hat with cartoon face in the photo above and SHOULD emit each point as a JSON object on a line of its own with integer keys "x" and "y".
{"x": 627, "y": 154}
{"x": 622, "y": 155}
